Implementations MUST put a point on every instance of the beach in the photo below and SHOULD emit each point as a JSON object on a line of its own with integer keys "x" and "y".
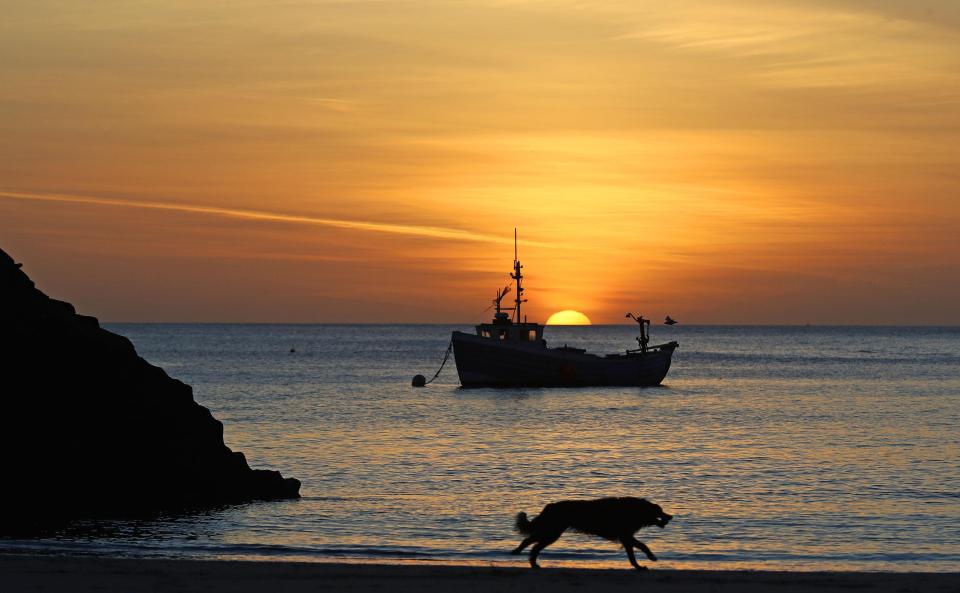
{"x": 79, "y": 574}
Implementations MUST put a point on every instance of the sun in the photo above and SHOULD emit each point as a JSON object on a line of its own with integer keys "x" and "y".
{"x": 568, "y": 317}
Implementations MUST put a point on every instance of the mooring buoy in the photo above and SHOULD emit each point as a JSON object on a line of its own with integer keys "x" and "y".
{"x": 419, "y": 381}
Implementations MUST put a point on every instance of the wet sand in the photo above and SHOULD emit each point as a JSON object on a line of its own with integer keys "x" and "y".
{"x": 79, "y": 574}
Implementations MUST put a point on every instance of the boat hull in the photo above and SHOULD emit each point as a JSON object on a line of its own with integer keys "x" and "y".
{"x": 483, "y": 362}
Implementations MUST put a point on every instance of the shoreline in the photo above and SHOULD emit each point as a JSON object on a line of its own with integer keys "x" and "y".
{"x": 95, "y": 573}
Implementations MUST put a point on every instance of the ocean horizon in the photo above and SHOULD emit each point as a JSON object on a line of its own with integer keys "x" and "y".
{"x": 470, "y": 324}
{"x": 793, "y": 447}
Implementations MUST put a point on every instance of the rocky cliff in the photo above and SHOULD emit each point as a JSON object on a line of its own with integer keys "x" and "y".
{"x": 89, "y": 427}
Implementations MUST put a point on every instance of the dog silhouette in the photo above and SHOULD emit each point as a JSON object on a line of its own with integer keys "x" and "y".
{"x": 615, "y": 519}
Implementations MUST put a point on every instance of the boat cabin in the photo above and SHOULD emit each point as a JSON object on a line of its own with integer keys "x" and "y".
{"x": 502, "y": 328}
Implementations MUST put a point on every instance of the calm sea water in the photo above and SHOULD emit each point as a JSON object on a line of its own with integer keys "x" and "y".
{"x": 775, "y": 447}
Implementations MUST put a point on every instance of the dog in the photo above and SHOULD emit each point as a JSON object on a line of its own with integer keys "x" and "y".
{"x": 615, "y": 519}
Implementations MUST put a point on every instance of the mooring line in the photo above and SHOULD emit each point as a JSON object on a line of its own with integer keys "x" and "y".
{"x": 445, "y": 358}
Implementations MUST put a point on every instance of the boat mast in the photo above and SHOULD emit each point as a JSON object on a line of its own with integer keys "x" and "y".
{"x": 518, "y": 276}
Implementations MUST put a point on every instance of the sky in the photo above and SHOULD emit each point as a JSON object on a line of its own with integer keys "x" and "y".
{"x": 350, "y": 161}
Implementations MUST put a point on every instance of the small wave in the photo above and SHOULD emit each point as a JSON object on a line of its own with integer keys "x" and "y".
{"x": 276, "y": 552}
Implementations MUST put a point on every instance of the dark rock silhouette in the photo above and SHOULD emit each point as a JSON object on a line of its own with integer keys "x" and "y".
{"x": 88, "y": 427}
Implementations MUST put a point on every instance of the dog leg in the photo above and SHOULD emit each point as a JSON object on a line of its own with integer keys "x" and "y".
{"x": 535, "y": 551}
{"x": 628, "y": 546}
{"x": 643, "y": 548}
{"x": 523, "y": 545}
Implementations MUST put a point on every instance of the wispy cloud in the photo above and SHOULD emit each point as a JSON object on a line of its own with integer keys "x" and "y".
{"x": 799, "y": 45}
{"x": 432, "y": 232}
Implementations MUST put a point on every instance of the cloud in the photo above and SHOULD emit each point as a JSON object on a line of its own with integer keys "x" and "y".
{"x": 431, "y": 232}
{"x": 798, "y": 45}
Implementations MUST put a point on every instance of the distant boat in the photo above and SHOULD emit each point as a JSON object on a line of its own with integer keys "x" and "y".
{"x": 669, "y": 321}
{"x": 510, "y": 352}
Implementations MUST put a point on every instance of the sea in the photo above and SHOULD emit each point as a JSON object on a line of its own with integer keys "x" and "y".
{"x": 793, "y": 448}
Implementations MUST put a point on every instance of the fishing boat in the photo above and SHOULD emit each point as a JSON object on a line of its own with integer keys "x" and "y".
{"x": 511, "y": 351}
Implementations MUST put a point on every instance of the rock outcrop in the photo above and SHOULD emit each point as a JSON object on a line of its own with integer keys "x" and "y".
{"x": 88, "y": 427}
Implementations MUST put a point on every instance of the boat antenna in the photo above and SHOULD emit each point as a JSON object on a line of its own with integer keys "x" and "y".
{"x": 518, "y": 276}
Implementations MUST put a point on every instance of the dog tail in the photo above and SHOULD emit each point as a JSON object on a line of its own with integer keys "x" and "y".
{"x": 523, "y": 525}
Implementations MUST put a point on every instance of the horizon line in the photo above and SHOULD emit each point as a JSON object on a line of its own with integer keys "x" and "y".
{"x": 472, "y": 323}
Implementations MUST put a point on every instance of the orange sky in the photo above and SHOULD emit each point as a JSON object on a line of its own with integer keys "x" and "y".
{"x": 346, "y": 161}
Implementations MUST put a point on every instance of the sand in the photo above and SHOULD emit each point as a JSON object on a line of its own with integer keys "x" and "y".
{"x": 87, "y": 573}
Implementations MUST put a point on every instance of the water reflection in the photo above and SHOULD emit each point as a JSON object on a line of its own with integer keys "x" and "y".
{"x": 775, "y": 447}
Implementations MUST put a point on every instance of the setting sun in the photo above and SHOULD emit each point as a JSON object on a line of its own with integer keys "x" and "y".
{"x": 568, "y": 317}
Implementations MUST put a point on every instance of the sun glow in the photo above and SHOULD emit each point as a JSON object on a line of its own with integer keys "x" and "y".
{"x": 568, "y": 317}
{"x": 340, "y": 163}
